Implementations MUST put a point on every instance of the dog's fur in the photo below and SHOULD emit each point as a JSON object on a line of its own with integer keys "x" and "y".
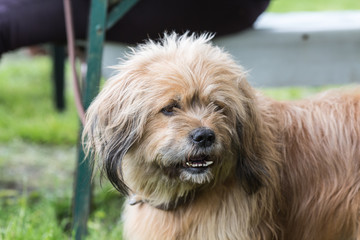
{"x": 281, "y": 170}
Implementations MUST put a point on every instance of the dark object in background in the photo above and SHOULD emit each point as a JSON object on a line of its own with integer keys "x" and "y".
{"x": 31, "y": 22}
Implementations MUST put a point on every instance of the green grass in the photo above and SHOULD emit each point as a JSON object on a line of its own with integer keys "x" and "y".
{"x": 26, "y": 106}
{"x": 29, "y": 121}
{"x": 39, "y": 215}
{"x": 30, "y": 218}
{"x": 313, "y": 5}
{"x": 293, "y": 93}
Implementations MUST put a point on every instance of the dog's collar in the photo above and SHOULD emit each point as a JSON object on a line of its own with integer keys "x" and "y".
{"x": 135, "y": 199}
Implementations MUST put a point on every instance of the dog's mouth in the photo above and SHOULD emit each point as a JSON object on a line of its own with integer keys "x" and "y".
{"x": 197, "y": 164}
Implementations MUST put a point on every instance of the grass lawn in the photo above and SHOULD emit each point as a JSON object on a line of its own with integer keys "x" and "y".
{"x": 26, "y": 106}
{"x": 313, "y": 5}
{"x": 37, "y": 157}
{"x": 37, "y": 147}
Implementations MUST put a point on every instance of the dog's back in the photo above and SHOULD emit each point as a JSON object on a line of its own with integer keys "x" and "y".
{"x": 321, "y": 174}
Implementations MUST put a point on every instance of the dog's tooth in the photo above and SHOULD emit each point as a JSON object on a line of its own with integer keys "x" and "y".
{"x": 208, "y": 163}
{"x": 191, "y": 164}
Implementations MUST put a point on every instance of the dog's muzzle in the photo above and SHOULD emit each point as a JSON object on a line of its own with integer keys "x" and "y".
{"x": 202, "y": 139}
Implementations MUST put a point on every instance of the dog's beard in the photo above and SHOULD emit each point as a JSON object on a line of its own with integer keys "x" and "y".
{"x": 205, "y": 176}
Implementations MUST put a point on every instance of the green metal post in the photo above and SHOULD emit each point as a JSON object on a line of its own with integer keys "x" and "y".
{"x": 82, "y": 195}
{"x": 98, "y": 23}
{"x": 119, "y": 11}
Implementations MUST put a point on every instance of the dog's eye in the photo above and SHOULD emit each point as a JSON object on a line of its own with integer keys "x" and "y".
{"x": 218, "y": 107}
{"x": 170, "y": 109}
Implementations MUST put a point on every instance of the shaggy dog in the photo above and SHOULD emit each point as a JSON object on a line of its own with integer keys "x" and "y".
{"x": 202, "y": 155}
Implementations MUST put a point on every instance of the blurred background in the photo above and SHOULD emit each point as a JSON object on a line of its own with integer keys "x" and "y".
{"x": 38, "y": 143}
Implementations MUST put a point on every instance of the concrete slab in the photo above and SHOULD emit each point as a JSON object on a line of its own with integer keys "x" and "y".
{"x": 290, "y": 49}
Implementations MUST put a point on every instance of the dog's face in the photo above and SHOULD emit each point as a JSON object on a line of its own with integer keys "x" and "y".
{"x": 172, "y": 121}
{"x": 188, "y": 134}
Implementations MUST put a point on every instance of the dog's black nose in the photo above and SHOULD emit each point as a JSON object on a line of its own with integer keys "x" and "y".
{"x": 203, "y": 137}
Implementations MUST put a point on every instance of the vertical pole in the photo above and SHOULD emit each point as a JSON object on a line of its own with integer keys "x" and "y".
{"x": 82, "y": 195}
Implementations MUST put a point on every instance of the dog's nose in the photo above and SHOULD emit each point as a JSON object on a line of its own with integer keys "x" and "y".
{"x": 203, "y": 137}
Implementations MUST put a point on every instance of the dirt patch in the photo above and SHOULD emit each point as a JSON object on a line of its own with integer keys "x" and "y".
{"x": 31, "y": 166}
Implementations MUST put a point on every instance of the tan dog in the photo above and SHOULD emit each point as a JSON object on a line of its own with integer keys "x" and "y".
{"x": 204, "y": 156}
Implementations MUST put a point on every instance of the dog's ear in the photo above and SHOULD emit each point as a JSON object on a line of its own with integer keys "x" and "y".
{"x": 114, "y": 152}
{"x": 113, "y": 124}
{"x": 109, "y": 146}
{"x": 249, "y": 167}
{"x": 255, "y": 151}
